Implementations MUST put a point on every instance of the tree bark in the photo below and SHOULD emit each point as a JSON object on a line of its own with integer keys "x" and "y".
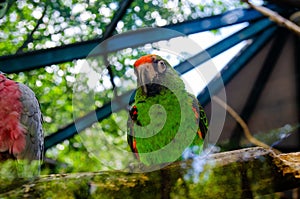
{"x": 247, "y": 172}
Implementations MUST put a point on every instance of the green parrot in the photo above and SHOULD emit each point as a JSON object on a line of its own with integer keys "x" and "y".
{"x": 165, "y": 120}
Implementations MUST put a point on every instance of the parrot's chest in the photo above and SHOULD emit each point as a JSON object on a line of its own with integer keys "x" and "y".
{"x": 158, "y": 112}
{"x": 165, "y": 122}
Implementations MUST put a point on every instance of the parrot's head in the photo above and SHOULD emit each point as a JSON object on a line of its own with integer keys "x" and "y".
{"x": 150, "y": 71}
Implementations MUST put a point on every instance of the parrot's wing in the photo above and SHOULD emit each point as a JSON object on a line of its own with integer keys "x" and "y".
{"x": 130, "y": 130}
{"x": 130, "y": 133}
{"x": 31, "y": 119}
{"x": 200, "y": 117}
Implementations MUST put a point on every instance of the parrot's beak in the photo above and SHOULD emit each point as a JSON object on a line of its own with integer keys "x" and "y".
{"x": 145, "y": 74}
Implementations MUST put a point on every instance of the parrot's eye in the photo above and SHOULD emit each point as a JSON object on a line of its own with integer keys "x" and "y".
{"x": 161, "y": 66}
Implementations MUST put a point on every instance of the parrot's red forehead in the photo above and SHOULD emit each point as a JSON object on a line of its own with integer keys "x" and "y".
{"x": 144, "y": 59}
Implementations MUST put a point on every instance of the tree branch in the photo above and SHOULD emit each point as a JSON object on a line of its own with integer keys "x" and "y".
{"x": 209, "y": 177}
{"x": 243, "y": 124}
{"x": 30, "y": 36}
{"x": 275, "y": 17}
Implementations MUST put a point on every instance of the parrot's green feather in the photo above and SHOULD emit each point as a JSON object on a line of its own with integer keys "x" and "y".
{"x": 167, "y": 122}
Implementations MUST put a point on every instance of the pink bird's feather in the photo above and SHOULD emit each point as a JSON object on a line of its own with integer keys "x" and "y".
{"x": 12, "y": 134}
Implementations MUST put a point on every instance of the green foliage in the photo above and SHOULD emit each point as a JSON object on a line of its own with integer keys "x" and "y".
{"x": 40, "y": 24}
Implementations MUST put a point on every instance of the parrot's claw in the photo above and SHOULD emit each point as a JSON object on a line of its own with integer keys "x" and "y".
{"x": 136, "y": 167}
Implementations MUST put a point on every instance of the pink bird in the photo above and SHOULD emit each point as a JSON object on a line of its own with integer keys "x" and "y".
{"x": 21, "y": 133}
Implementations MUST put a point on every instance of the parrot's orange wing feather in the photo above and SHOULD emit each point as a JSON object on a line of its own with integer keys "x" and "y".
{"x": 200, "y": 118}
{"x": 130, "y": 136}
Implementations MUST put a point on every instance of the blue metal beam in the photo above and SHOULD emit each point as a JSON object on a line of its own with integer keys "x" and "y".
{"x": 86, "y": 121}
{"x": 123, "y": 100}
{"x": 246, "y": 33}
{"x": 235, "y": 66}
{"x": 40, "y": 58}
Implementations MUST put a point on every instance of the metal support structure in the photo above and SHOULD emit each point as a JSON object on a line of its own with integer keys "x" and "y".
{"x": 244, "y": 34}
{"x": 40, "y": 58}
{"x": 105, "y": 111}
{"x": 234, "y": 66}
{"x": 259, "y": 84}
